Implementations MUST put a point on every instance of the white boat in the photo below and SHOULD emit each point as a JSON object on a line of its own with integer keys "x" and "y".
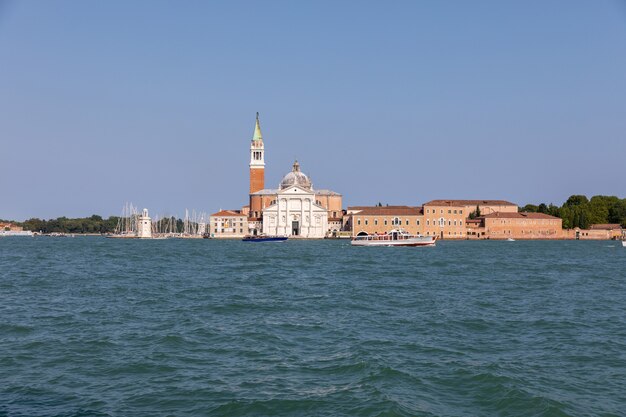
{"x": 624, "y": 243}
{"x": 510, "y": 239}
{"x": 394, "y": 238}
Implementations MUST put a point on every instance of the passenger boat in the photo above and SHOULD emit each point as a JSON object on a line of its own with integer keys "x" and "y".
{"x": 394, "y": 238}
{"x": 264, "y": 238}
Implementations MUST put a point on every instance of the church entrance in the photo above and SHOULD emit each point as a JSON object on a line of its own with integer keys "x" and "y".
{"x": 295, "y": 228}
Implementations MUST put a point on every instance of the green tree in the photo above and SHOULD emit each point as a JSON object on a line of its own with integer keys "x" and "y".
{"x": 576, "y": 200}
{"x": 529, "y": 208}
{"x": 617, "y": 213}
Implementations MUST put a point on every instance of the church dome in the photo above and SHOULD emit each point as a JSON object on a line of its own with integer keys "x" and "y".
{"x": 296, "y": 177}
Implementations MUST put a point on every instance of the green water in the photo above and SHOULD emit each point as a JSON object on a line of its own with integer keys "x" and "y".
{"x": 108, "y": 327}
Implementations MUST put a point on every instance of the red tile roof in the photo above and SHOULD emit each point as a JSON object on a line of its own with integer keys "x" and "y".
{"x": 458, "y": 203}
{"x": 387, "y": 210}
{"x": 228, "y": 213}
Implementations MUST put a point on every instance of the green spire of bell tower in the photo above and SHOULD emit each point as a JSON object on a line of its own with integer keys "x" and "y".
{"x": 257, "y": 130}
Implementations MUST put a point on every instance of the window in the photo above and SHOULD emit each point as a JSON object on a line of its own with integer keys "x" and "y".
{"x": 375, "y": 222}
{"x": 366, "y": 222}
{"x": 460, "y": 211}
{"x": 449, "y": 211}
{"x": 396, "y": 221}
{"x": 385, "y": 222}
{"x": 427, "y": 222}
{"x": 417, "y": 222}
{"x": 407, "y": 222}
{"x": 358, "y": 221}
{"x": 454, "y": 211}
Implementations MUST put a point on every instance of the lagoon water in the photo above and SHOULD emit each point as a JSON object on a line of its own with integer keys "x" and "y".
{"x": 109, "y": 327}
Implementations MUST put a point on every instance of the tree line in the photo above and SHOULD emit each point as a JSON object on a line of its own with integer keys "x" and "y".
{"x": 579, "y": 211}
{"x": 92, "y": 224}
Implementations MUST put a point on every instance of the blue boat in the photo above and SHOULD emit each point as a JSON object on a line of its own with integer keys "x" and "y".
{"x": 261, "y": 238}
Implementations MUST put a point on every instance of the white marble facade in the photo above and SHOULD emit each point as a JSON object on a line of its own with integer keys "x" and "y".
{"x": 294, "y": 213}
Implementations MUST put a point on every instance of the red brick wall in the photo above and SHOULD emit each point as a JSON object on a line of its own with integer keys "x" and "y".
{"x": 257, "y": 179}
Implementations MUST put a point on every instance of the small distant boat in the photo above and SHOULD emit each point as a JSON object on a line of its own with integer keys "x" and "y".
{"x": 394, "y": 238}
{"x": 263, "y": 238}
{"x": 624, "y": 243}
{"x": 510, "y": 239}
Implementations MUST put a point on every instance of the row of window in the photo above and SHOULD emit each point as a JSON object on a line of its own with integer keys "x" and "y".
{"x": 231, "y": 230}
{"x": 394, "y": 222}
{"x": 524, "y": 232}
{"x": 398, "y": 222}
{"x": 541, "y": 221}
{"x": 450, "y": 211}
{"x": 442, "y": 222}
{"x": 449, "y": 234}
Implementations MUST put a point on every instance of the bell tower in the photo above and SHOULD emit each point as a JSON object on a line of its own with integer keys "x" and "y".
{"x": 257, "y": 159}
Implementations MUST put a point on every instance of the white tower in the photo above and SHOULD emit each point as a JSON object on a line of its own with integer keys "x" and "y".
{"x": 144, "y": 226}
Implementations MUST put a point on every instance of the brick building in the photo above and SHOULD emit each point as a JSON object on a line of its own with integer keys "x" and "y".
{"x": 447, "y": 219}
{"x": 228, "y": 224}
{"x": 380, "y": 220}
{"x": 596, "y": 232}
{"x": 505, "y": 225}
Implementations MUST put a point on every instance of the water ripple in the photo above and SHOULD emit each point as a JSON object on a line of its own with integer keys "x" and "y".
{"x": 98, "y": 327}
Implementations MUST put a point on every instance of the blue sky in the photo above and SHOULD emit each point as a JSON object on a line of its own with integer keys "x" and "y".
{"x": 153, "y": 102}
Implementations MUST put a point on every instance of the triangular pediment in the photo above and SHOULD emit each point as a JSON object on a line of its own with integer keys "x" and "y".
{"x": 296, "y": 190}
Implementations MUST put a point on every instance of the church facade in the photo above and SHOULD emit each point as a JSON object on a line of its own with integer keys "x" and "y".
{"x": 295, "y": 208}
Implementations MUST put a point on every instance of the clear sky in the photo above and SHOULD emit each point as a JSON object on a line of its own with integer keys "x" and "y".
{"x": 399, "y": 102}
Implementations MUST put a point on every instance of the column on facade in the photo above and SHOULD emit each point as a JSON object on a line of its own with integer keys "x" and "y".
{"x": 311, "y": 220}
{"x": 302, "y": 218}
{"x": 287, "y": 220}
{"x": 276, "y": 231}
